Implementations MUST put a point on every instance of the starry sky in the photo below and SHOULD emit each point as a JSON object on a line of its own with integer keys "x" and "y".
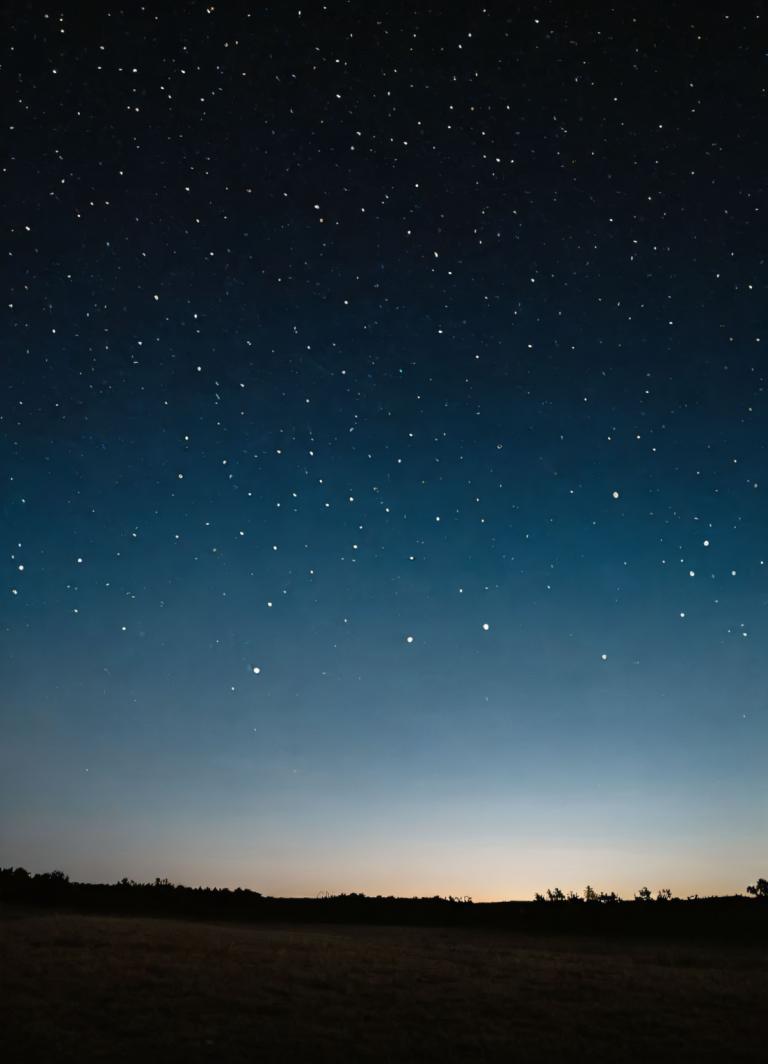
{"x": 383, "y": 446}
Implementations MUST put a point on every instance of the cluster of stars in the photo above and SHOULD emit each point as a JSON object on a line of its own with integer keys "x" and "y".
{"x": 313, "y": 357}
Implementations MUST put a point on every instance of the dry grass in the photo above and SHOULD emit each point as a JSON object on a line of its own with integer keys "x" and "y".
{"x": 80, "y": 988}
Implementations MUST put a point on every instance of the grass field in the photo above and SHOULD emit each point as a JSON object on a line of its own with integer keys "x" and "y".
{"x": 81, "y": 988}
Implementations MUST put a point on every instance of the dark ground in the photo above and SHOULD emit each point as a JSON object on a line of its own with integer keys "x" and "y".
{"x": 87, "y": 988}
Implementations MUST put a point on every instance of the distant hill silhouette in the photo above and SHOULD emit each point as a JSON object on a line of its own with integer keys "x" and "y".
{"x": 737, "y": 916}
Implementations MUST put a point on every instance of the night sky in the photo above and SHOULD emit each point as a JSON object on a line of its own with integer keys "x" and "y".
{"x": 384, "y": 447}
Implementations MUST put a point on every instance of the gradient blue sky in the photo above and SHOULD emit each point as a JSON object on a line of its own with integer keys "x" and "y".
{"x": 327, "y": 333}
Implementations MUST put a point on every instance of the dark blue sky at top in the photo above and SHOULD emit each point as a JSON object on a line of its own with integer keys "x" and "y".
{"x": 331, "y": 337}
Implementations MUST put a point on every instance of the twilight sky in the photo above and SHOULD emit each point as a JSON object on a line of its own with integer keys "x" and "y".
{"x": 384, "y": 447}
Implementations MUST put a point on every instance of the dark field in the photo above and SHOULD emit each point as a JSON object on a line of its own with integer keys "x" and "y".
{"x": 84, "y": 988}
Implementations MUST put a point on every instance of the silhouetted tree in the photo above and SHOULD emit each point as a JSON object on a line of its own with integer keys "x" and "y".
{"x": 665, "y": 894}
{"x": 644, "y": 894}
{"x": 608, "y": 899}
{"x": 759, "y": 889}
{"x": 555, "y": 895}
{"x": 590, "y": 894}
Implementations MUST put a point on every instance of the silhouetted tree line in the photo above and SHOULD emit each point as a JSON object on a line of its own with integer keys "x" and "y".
{"x": 592, "y": 896}
{"x": 593, "y": 911}
{"x": 162, "y": 897}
